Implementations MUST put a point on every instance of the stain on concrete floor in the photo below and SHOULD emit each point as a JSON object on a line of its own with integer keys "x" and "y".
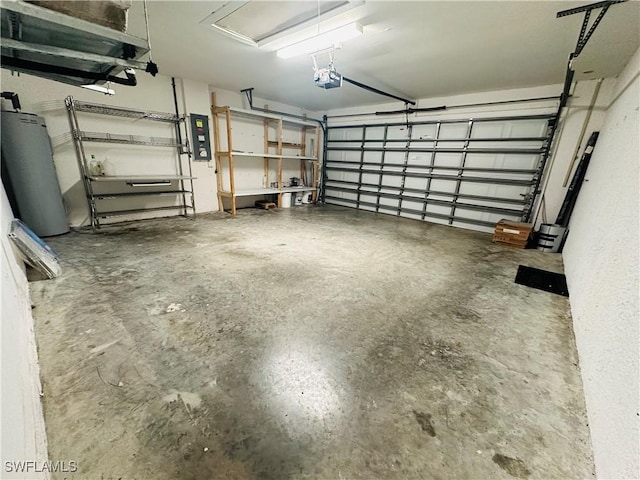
{"x": 513, "y": 466}
{"x": 424, "y": 420}
{"x": 307, "y": 343}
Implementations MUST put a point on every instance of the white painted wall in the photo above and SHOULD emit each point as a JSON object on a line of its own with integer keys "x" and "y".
{"x": 22, "y": 427}
{"x": 45, "y": 98}
{"x": 569, "y": 142}
{"x": 194, "y": 98}
{"x": 567, "y": 138}
{"x": 601, "y": 264}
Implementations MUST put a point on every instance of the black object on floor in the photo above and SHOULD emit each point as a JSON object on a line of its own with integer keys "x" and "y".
{"x": 542, "y": 280}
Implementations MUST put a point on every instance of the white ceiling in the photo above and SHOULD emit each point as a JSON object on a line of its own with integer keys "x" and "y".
{"x": 416, "y": 49}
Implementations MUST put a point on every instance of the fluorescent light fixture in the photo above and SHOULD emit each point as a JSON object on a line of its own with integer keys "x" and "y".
{"x": 322, "y": 42}
{"x": 99, "y": 88}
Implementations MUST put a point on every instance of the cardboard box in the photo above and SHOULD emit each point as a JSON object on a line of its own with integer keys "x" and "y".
{"x": 512, "y": 233}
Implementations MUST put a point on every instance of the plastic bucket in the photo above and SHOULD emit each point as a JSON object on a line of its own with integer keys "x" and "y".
{"x": 286, "y": 200}
{"x": 551, "y": 237}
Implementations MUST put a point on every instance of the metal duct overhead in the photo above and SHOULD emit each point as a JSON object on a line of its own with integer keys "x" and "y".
{"x": 60, "y": 47}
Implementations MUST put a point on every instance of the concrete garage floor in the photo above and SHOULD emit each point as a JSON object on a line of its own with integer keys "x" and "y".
{"x": 310, "y": 343}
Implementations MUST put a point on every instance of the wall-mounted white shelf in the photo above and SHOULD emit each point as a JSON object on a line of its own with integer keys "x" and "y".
{"x": 251, "y": 192}
{"x": 271, "y": 116}
{"x": 238, "y": 153}
{"x": 266, "y": 191}
{"x": 297, "y": 189}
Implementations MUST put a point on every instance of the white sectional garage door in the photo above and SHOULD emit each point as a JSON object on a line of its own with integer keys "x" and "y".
{"x": 461, "y": 172}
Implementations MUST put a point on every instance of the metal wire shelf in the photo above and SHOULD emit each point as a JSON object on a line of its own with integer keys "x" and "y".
{"x": 115, "y": 213}
{"x": 127, "y": 139}
{"x": 139, "y": 178}
{"x": 166, "y": 193}
{"x": 124, "y": 112}
{"x": 173, "y": 184}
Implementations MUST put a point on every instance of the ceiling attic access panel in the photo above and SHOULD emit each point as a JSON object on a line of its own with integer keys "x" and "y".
{"x": 258, "y": 23}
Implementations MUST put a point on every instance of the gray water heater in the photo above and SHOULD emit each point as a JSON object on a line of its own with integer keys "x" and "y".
{"x": 29, "y": 174}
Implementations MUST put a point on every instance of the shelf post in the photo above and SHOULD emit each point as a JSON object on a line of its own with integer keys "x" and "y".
{"x": 316, "y": 166}
{"x": 216, "y": 145}
{"x": 279, "y": 152}
{"x": 232, "y": 184}
{"x": 266, "y": 150}
{"x": 303, "y": 152}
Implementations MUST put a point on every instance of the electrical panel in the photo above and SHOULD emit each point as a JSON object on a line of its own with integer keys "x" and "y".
{"x": 200, "y": 137}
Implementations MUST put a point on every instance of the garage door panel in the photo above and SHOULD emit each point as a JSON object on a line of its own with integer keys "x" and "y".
{"x": 447, "y": 159}
{"x": 412, "y": 205}
{"x": 353, "y": 134}
{"x": 438, "y": 209}
{"x": 394, "y": 158}
{"x": 453, "y": 131}
{"x": 489, "y": 130}
{"x": 390, "y": 202}
{"x": 416, "y": 159}
{"x": 353, "y": 196}
{"x": 372, "y": 157}
{"x": 521, "y": 161}
{"x": 532, "y": 128}
{"x": 424, "y": 132}
{"x": 368, "y": 198}
{"x": 416, "y": 183}
{"x": 375, "y": 133}
{"x": 468, "y": 173}
{"x": 370, "y": 178}
{"x": 391, "y": 180}
{"x": 397, "y": 132}
{"x": 345, "y": 176}
{"x": 442, "y": 185}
